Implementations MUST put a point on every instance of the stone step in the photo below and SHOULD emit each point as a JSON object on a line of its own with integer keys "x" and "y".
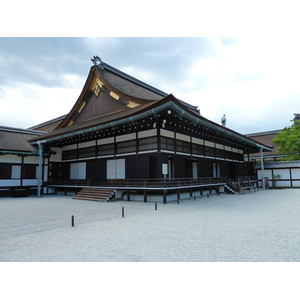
{"x": 94, "y": 194}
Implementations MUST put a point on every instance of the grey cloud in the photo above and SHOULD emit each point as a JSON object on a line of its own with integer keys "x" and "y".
{"x": 44, "y": 60}
{"x": 39, "y": 60}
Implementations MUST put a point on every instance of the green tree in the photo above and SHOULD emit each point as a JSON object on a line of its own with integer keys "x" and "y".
{"x": 288, "y": 141}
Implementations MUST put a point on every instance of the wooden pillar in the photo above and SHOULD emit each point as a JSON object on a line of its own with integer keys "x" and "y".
{"x": 262, "y": 168}
{"x": 128, "y": 195}
{"x": 178, "y": 194}
{"x": 145, "y": 195}
{"x": 22, "y": 171}
{"x": 165, "y": 197}
{"x": 40, "y": 170}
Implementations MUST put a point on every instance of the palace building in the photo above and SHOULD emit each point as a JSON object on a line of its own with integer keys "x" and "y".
{"x": 125, "y": 135}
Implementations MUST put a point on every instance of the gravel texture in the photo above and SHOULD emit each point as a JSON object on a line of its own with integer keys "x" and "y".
{"x": 256, "y": 227}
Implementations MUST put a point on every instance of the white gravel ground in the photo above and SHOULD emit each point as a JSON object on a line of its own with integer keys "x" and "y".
{"x": 256, "y": 227}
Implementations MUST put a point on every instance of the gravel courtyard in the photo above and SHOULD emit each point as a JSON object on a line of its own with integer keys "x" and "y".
{"x": 255, "y": 227}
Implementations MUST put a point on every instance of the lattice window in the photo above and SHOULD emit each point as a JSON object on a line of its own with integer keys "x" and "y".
{"x": 125, "y": 147}
{"x": 108, "y": 149}
{"x": 167, "y": 143}
{"x": 86, "y": 152}
{"x": 148, "y": 143}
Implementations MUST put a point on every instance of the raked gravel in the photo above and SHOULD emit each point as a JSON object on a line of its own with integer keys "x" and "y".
{"x": 259, "y": 226}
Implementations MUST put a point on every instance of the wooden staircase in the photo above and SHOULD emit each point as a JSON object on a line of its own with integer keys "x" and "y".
{"x": 94, "y": 194}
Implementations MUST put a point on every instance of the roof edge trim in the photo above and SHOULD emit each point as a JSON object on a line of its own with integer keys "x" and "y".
{"x": 155, "y": 110}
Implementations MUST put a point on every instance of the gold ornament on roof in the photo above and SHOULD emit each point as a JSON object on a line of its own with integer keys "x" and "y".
{"x": 132, "y": 104}
{"x": 96, "y": 86}
{"x": 114, "y": 95}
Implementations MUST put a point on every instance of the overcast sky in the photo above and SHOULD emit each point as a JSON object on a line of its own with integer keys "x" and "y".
{"x": 254, "y": 81}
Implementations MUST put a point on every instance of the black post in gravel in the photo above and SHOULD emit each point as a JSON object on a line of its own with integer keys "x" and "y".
{"x": 207, "y": 195}
{"x": 122, "y": 211}
{"x": 155, "y": 205}
{"x": 194, "y": 197}
{"x": 177, "y": 200}
{"x": 72, "y": 221}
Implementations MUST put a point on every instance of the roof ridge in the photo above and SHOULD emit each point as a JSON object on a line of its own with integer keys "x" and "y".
{"x": 131, "y": 78}
{"x": 20, "y": 130}
{"x": 104, "y": 65}
{"x": 48, "y": 122}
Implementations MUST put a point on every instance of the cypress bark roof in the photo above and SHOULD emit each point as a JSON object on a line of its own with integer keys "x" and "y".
{"x": 279, "y": 164}
{"x": 16, "y": 140}
{"x": 110, "y": 95}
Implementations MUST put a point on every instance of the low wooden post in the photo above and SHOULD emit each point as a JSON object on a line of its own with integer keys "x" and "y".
{"x": 207, "y": 195}
{"x": 128, "y": 195}
{"x": 72, "y": 221}
{"x": 164, "y": 197}
{"x": 194, "y": 197}
{"x": 122, "y": 211}
{"x": 155, "y": 205}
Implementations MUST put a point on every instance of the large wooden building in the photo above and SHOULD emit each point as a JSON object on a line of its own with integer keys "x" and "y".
{"x": 122, "y": 129}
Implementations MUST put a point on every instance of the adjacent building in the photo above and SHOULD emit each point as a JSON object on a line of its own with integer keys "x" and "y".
{"x": 276, "y": 173}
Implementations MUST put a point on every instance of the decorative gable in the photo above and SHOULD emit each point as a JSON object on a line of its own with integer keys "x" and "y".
{"x": 98, "y": 100}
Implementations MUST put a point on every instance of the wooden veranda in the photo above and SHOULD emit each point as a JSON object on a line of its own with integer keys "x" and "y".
{"x": 161, "y": 186}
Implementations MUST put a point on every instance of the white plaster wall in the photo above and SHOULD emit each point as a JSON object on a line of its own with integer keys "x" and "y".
{"x": 69, "y": 147}
{"x": 105, "y": 141}
{"x": 167, "y": 133}
{"x": 183, "y": 137}
{"x": 296, "y": 173}
{"x": 87, "y": 144}
{"x": 285, "y": 173}
{"x": 296, "y": 183}
{"x": 13, "y": 159}
{"x": 56, "y": 157}
{"x": 267, "y": 173}
{"x": 10, "y": 182}
{"x": 31, "y": 160}
{"x": 27, "y": 182}
{"x": 126, "y": 137}
{"x": 209, "y": 144}
{"x": 147, "y": 133}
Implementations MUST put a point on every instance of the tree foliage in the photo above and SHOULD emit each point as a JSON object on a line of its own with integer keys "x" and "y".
{"x": 288, "y": 141}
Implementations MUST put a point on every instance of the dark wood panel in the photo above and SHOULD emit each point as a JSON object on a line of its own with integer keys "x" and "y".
{"x": 5, "y": 171}
{"x": 99, "y": 105}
